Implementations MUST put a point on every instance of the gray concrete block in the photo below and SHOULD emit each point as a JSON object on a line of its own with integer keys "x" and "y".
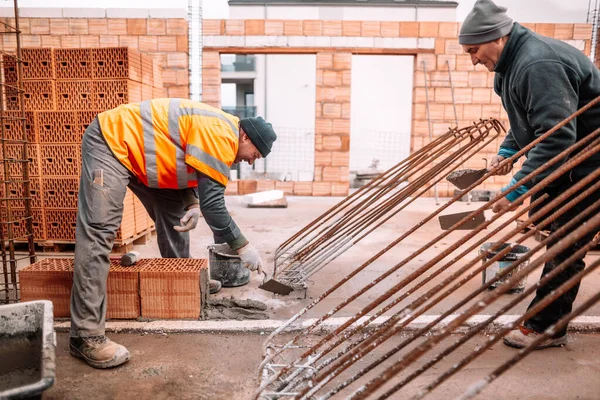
{"x": 84, "y": 12}
{"x": 34, "y": 12}
{"x": 168, "y": 13}
{"x": 127, "y": 13}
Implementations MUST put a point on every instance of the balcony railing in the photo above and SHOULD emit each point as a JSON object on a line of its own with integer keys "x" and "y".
{"x": 238, "y": 63}
{"x": 241, "y": 112}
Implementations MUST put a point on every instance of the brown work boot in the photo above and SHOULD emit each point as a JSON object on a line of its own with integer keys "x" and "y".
{"x": 98, "y": 351}
{"x": 523, "y": 337}
{"x": 214, "y": 286}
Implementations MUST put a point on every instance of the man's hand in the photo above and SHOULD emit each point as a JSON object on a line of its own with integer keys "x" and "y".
{"x": 502, "y": 205}
{"x": 189, "y": 220}
{"x": 496, "y": 160}
{"x": 250, "y": 258}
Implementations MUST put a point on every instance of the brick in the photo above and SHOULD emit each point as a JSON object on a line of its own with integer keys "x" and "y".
{"x": 325, "y": 93}
{"x": 9, "y": 42}
{"x": 442, "y": 95}
{"x": 390, "y": 29}
{"x": 167, "y": 43}
{"x": 313, "y": 28}
{"x": 409, "y": 29}
{"x": 31, "y": 40}
{"x": 428, "y": 29}
{"x": 177, "y": 27}
{"x": 472, "y": 112}
{"x": 234, "y": 27}
{"x": 263, "y": 185}
{"x": 332, "y": 110}
{"x": 490, "y": 111}
{"x": 482, "y": 95}
{"x": 346, "y": 110}
{"x": 117, "y": 26}
{"x": 50, "y": 41}
{"x": 346, "y": 77}
{"x": 340, "y": 188}
{"x": 342, "y": 61}
{"x": 156, "y": 27}
{"x": 464, "y": 63}
{"x": 332, "y": 78}
{"x": 453, "y": 47}
{"x": 324, "y": 60}
{"x": 448, "y": 30}
{"x": 59, "y": 26}
{"x": 211, "y": 76}
{"x": 273, "y": 28}
{"x": 70, "y": 41}
{"x": 440, "y": 46}
{"x": 109, "y": 41}
{"x": 332, "y": 28}
{"x": 563, "y": 31}
{"x": 334, "y": 174}
{"x": 231, "y": 189}
{"x": 345, "y": 144}
{"x": 129, "y": 41}
{"x": 148, "y": 43}
{"x": 452, "y": 112}
{"x": 323, "y": 126}
{"x": 430, "y": 62}
{"x": 342, "y": 94}
{"x": 463, "y": 95}
{"x": 183, "y": 77}
{"x": 212, "y": 27}
{"x": 287, "y": 187}
{"x": 332, "y": 142}
{"x": 247, "y": 186}
{"x": 446, "y": 62}
{"x": 321, "y": 189}
{"x": 582, "y": 31}
{"x": 182, "y": 43}
{"x": 371, "y": 28}
{"x": 90, "y": 41}
{"x": 292, "y": 28}
{"x": 211, "y": 59}
{"x": 545, "y": 29}
{"x": 40, "y": 26}
{"x": 211, "y": 93}
{"x": 254, "y": 27}
{"x": 303, "y": 188}
{"x": 137, "y": 26}
{"x": 351, "y": 28}
{"x": 340, "y": 158}
{"x": 478, "y": 79}
{"x": 322, "y": 158}
{"x": 78, "y": 26}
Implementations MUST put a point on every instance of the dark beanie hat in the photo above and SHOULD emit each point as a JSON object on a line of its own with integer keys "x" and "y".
{"x": 260, "y": 132}
{"x": 485, "y": 22}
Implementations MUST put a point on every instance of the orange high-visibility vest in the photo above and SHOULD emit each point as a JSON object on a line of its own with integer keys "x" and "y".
{"x": 163, "y": 142}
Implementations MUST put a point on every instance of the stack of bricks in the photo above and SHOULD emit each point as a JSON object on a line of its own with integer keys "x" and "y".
{"x": 64, "y": 90}
{"x": 152, "y": 288}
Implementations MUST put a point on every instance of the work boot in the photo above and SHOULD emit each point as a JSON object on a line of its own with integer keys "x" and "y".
{"x": 523, "y": 337}
{"x": 214, "y": 286}
{"x": 98, "y": 351}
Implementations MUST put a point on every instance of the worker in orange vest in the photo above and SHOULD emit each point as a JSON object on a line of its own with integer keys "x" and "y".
{"x": 175, "y": 156}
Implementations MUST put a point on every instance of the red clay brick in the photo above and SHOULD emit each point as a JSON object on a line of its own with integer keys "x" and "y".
{"x": 148, "y": 43}
{"x": 324, "y": 60}
{"x": 322, "y": 158}
{"x": 563, "y": 31}
{"x": 212, "y": 27}
{"x": 582, "y": 31}
{"x": 211, "y": 59}
{"x": 117, "y": 26}
{"x": 90, "y": 41}
{"x": 273, "y": 28}
{"x": 156, "y": 27}
{"x": 303, "y": 188}
{"x": 342, "y": 61}
{"x": 78, "y": 26}
{"x": 409, "y": 29}
{"x": 109, "y": 41}
{"x": 255, "y": 27}
{"x": 351, "y": 28}
{"x": 234, "y": 27}
{"x": 332, "y": 142}
{"x": 313, "y": 28}
{"x": 332, "y": 110}
{"x": 321, "y": 189}
{"x": 340, "y": 188}
{"x": 340, "y": 158}
{"x": 545, "y": 29}
{"x": 292, "y": 28}
{"x": 428, "y": 29}
{"x": 262, "y": 185}
{"x": 448, "y": 30}
{"x": 231, "y": 189}
{"x": 177, "y": 27}
{"x": 287, "y": 187}
{"x": 390, "y": 29}
{"x": 59, "y": 26}
{"x": 69, "y": 41}
{"x": 40, "y": 26}
{"x": 332, "y": 28}
{"x": 167, "y": 43}
{"x": 371, "y": 28}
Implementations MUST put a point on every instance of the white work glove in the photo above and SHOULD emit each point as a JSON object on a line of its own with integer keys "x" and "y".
{"x": 189, "y": 220}
{"x": 250, "y": 258}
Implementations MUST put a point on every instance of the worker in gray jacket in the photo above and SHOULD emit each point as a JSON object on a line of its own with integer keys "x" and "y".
{"x": 174, "y": 155}
{"x": 541, "y": 82}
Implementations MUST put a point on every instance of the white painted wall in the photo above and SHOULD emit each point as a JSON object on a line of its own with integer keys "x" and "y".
{"x": 381, "y": 109}
{"x": 290, "y": 106}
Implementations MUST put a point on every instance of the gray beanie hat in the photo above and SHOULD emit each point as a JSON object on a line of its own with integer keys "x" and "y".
{"x": 260, "y": 132}
{"x": 485, "y": 22}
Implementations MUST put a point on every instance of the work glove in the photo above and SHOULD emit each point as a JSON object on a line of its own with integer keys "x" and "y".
{"x": 250, "y": 258}
{"x": 189, "y": 220}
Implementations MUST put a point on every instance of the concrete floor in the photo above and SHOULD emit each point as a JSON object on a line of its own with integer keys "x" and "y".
{"x": 212, "y": 366}
{"x": 267, "y": 228}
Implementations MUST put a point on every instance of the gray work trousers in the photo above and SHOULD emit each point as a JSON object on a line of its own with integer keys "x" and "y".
{"x": 102, "y": 189}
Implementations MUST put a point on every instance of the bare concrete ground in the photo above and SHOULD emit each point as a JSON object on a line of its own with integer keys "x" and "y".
{"x": 212, "y": 366}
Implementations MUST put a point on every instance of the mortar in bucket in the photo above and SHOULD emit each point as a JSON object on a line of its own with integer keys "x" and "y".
{"x": 498, "y": 266}
{"x": 226, "y": 266}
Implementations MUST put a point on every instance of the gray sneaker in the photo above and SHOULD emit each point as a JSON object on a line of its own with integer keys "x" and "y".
{"x": 523, "y": 337}
{"x": 98, "y": 351}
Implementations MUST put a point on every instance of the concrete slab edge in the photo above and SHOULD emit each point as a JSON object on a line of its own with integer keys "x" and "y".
{"x": 583, "y": 324}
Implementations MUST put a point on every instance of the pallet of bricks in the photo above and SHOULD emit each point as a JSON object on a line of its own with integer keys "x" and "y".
{"x": 64, "y": 90}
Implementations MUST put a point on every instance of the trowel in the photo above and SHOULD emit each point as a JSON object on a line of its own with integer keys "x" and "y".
{"x": 271, "y": 285}
{"x": 448, "y": 220}
{"x": 463, "y": 178}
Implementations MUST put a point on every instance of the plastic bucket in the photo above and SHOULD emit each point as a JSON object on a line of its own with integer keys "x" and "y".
{"x": 498, "y": 266}
{"x": 226, "y": 266}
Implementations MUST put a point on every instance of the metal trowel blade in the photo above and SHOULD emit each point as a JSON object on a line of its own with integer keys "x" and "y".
{"x": 464, "y": 178}
{"x": 276, "y": 287}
